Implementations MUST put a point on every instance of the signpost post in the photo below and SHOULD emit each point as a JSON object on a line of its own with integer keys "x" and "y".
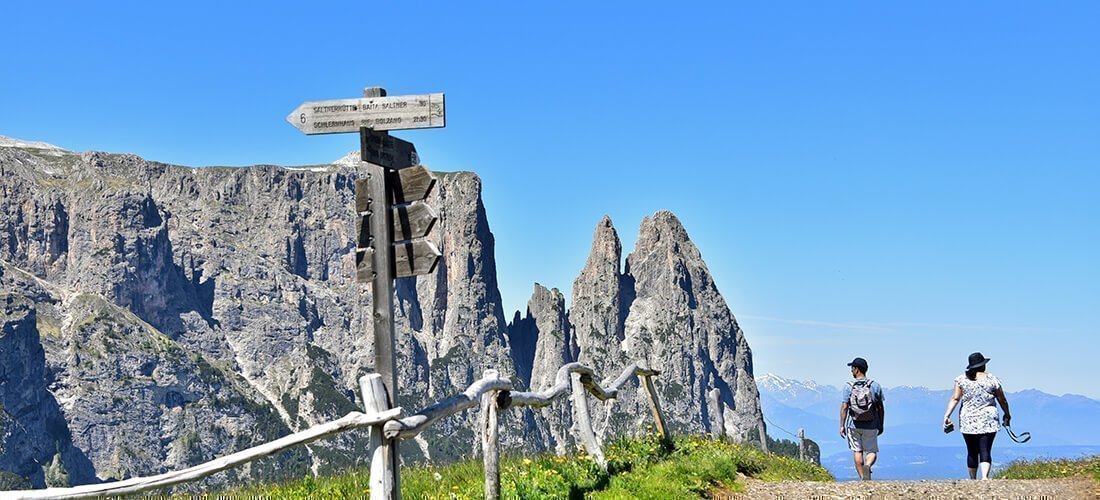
{"x": 393, "y": 218}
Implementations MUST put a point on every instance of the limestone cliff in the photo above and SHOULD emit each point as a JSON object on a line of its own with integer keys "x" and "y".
{"x": 189, "y": 312}
{"x": 547, "y": 327}
{"x": 680, "y": 324}
{"x": 665, "y": 310}
{"x": 35, "y": 443}
{"x": 156, "y": 316}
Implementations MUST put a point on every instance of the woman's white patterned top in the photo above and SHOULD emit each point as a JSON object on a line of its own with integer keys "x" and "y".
{"x": 978, "y": 413}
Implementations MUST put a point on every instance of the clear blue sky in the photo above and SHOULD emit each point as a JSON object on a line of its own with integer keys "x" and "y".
{"x": 906, "y": 181}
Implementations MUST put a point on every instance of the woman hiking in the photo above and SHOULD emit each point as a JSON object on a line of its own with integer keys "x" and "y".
{"x": 977, "y": 390}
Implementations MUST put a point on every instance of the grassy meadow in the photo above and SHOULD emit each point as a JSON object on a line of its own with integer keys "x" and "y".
{"x": 689, "y": 467}
{"x": 1052, "y": 469}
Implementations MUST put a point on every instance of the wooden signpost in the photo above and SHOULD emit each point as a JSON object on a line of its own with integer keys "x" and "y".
{"x": 412, "y": 221}
{"x": 394, "y": 220}
{"x": 413, "y": 184}
{"x": 378, "y": 113}
{"x": 381, "y": 148}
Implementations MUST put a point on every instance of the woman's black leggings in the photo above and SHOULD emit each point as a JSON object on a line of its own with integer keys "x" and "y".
{"x": 979, "y": 448}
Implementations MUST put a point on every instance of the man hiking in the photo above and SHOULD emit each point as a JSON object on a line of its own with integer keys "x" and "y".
{"x": 862, "y": 415}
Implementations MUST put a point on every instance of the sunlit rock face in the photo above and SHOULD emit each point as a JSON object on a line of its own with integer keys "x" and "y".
{"x": 186, "y": 313}
{"x": 664, "y": 310}
{"x": 158, "y": 316}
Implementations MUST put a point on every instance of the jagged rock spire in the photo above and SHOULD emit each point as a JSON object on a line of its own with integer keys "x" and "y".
{"x": 549, "y": 321}
{"x": 679, "y": 323}
{"x": 664, "y": 309}
{"x": 598, "y": 299}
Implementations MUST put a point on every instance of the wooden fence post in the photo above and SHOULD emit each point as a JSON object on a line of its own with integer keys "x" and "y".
{"x": 376, "y": 400}
{"x": 490, "y": 439}
{"x": 763, "y": 431}
{"x": 583, "y": 421}
{"x": 655, "y": 407}
{"x": 802, "y": 445}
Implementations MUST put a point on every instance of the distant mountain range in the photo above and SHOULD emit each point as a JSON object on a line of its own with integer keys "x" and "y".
{"x": 913, "y": 444}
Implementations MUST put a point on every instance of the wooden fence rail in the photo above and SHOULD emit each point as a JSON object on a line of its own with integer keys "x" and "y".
{"x": 353, "y": 420}
{"x": 415, "y": 424}
{"x": 493, "y": 393}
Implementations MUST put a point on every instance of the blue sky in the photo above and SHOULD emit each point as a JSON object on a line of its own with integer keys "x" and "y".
{"x": 908, "y": 182}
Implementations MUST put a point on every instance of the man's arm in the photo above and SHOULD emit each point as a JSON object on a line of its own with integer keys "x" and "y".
{"x": 843, "y": 419}
{"x": 881, "y": 410}
{"x": 881, "y": 417}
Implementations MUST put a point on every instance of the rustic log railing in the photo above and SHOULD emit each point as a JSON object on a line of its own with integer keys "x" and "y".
{"x": 353, "y": 420}
{"x": 493, "y": 393}
{"x": 415, "y": 424}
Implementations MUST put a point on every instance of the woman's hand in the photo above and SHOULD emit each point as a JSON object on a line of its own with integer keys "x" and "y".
{"x": 946, "y": 420}
{"x": 1007, "y": 419}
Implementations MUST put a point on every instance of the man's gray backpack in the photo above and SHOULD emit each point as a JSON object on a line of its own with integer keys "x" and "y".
{"x": 861, "y": 404}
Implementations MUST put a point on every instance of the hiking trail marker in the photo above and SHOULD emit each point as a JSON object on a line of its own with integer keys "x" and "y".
{"x": 381, "y": 148}
{"x": 399, "y": 112}
{"x": 393, "y": 224}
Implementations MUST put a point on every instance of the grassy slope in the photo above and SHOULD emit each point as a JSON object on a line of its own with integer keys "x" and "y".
{"x": 637, "y": 468}
{"x": 1051, "y": 469}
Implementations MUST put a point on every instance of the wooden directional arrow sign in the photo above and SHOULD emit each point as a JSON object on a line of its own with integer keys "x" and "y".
{"x": 412, "y": 221}
{"x": 413, "y": 184}
{"x": 397, "y": 112}
{"x": 413, "y": 258}
{"x": 386, "y": 150}
{"x": 364, "y": 271}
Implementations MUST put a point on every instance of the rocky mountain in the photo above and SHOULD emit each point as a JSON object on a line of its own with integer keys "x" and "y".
{"x": 677, "y": 322}
{"x": 156, "y": 316}
{"x": 662, "y": 309}
{"x": 542, "y": 342}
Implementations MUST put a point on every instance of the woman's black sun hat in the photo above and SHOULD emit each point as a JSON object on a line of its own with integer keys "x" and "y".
{"x": 977, "y": 361}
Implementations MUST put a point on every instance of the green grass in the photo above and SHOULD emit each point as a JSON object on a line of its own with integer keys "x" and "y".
{"x": 1052, "y": 469}
{"x": 691, "y": 467}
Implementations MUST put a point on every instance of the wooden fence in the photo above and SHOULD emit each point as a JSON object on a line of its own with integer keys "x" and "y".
{"x": 492, "y": 393}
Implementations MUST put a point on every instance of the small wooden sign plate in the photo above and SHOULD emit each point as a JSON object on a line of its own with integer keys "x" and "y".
{"x": 399, "y": 112}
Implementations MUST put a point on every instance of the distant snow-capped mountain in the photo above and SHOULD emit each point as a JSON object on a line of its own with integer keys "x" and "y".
{"x": 775, "y": 383}
{"x": 796, "y": 393}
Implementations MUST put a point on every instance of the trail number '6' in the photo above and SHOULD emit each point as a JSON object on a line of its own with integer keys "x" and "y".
{"x": 302, "y": 118}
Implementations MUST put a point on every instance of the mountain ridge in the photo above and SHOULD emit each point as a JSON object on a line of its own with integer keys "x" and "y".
{"x": 230, "y": 292}
{"x": 768, "y": 380}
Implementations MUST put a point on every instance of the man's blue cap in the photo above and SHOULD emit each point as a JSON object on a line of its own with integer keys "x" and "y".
{"x": 859, "y": 363}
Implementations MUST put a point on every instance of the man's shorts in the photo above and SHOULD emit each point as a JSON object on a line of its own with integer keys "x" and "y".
{"x": 865, "y": 440}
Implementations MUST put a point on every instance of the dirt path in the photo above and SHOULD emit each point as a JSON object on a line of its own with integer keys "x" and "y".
{"x": 1048, "y": 489}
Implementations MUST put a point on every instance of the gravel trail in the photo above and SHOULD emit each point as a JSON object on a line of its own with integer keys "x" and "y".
{"x": 1046, "y": 489}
